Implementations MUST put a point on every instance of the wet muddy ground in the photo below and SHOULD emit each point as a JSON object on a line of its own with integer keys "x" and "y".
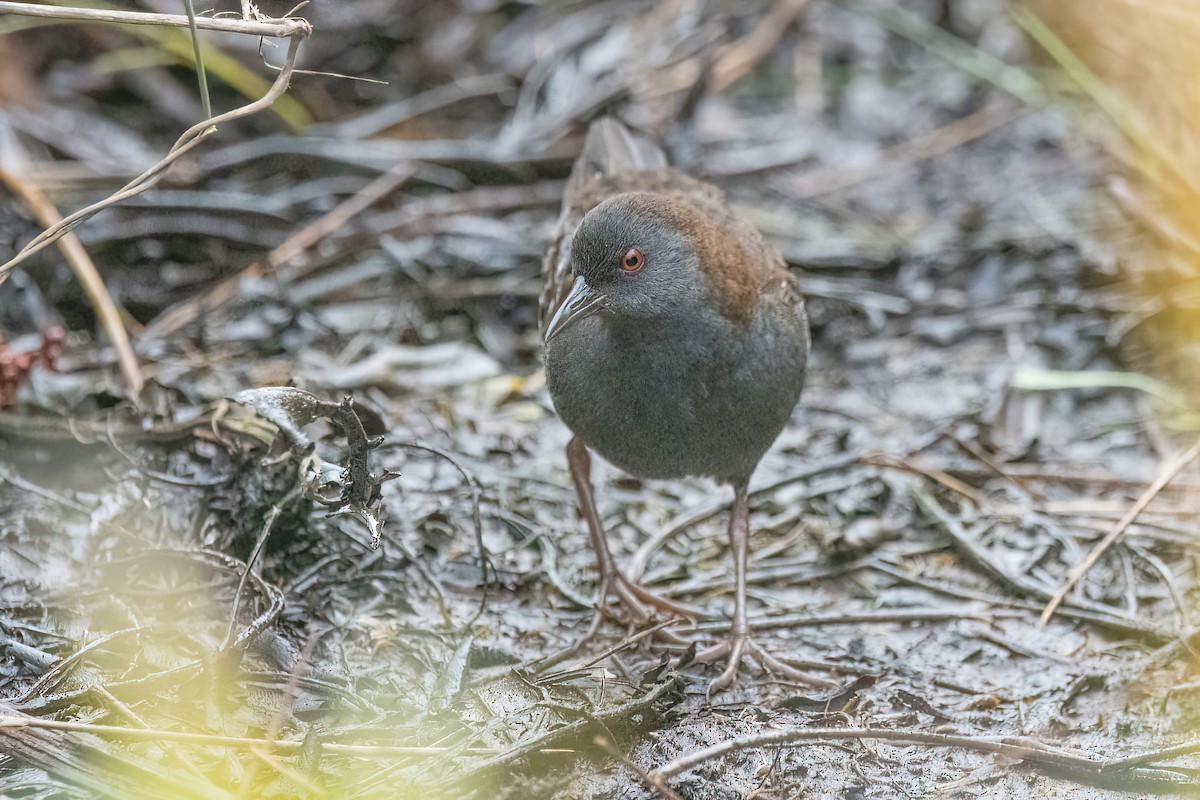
{"x": 935, "y": 489}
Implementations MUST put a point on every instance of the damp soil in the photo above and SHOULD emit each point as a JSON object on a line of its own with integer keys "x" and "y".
{"x": 908, "y": 527}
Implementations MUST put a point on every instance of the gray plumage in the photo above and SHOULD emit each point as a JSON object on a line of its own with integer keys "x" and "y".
{"x": 679, "y": 371}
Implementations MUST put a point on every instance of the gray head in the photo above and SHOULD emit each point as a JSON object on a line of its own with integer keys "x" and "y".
{"x": 637, "y": 255}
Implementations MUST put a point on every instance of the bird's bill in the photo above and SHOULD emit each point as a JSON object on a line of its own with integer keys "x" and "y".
{"x": 582, "y": 301}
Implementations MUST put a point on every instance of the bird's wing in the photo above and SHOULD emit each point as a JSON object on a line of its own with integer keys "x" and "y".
{"x": 613, "y": 160}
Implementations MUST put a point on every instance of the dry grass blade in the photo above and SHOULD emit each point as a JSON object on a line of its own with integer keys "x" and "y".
{"x": 740, "y": 57}
{"x": 967, "y": 129}
{"x": 1112, "y": 536}
{"x": 1037, "y": 379}
{"x": 85, "y": 270}
{"x": 214, "y": 740}
{"x": 91, "y": 764}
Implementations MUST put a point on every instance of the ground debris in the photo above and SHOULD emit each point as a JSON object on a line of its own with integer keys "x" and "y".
{"x": 180, "y": 614}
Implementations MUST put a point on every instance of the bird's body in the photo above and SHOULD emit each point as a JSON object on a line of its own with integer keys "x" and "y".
{"x": 676, "y": 340}
{"x": 692, "y": 393}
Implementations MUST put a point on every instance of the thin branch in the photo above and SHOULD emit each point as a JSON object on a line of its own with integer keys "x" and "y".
{"x": 657, "y": 785}
{"x": 970, "y": 547}
{"x": 63, "y": 665}
{"x": 275, "y": 28}
{"x": 624, "y": 643}
{"x": 485, "y": 558}
{"x": 903, "y": 616}
{"x": 1154, "y": 756}
{"x": 1020, "y": 749}
{"x": 1119, "y": 529}
{"x": 641, "y": 557}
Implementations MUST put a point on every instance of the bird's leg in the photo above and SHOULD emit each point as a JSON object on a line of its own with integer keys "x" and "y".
{"x": 637, "y": 600}
{"x": 741, "y": 641}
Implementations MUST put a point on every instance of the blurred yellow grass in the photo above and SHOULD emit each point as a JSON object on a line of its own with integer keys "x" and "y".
{"x": 1139, "y": 61}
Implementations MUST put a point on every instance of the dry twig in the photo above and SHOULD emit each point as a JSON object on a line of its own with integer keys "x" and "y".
{"x": 1025, "y": 750}
{"x": 657, "y": 785}
{"x": 1112, "y": 536}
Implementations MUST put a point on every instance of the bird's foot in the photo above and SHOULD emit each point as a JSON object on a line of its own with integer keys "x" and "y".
{"x": 742, "y": 645}
{"x": 639, "y": 603}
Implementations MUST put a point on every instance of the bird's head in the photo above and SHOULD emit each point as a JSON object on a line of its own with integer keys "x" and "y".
{"x": 645, "y": 255}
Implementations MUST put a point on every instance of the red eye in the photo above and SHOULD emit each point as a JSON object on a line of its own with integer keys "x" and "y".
{"x": 633, "y": 260}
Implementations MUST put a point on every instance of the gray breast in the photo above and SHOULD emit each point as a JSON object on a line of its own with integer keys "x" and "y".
{"x": 698, "y": 396}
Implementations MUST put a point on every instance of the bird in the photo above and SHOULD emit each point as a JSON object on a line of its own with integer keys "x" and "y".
{"x": 675, "y": 342}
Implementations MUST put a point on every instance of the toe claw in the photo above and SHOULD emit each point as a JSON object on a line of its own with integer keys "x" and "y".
{"x": 729, "y": 675}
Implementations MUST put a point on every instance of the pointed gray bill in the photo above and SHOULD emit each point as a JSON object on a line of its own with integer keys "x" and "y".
{"x": 582, "y": 301}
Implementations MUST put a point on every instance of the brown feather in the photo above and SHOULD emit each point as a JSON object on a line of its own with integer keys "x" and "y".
{"x": 613, "y": 162}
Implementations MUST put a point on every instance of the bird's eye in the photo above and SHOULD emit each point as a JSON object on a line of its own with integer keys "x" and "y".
{"x": 633, "y": 260}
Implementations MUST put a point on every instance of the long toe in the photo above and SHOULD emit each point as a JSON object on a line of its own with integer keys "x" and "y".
{"x": 649, "y": 598}
{"x": 741, "y": 647}
{"x": 639, "y": 607}
{"x": 736, "y": 645}
{"x": 634, "y": 610}
{"x": 775, "y": 666}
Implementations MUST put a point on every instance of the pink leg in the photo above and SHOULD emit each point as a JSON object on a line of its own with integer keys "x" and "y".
{"x": 639, "y": 602}
{"x": 741, "y": 640}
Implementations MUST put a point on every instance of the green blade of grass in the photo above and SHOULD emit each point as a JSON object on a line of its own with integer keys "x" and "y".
{"x": 960, "y": 54}
{"x": 198, "y": 56}
{"x": 1037, "y": 379}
